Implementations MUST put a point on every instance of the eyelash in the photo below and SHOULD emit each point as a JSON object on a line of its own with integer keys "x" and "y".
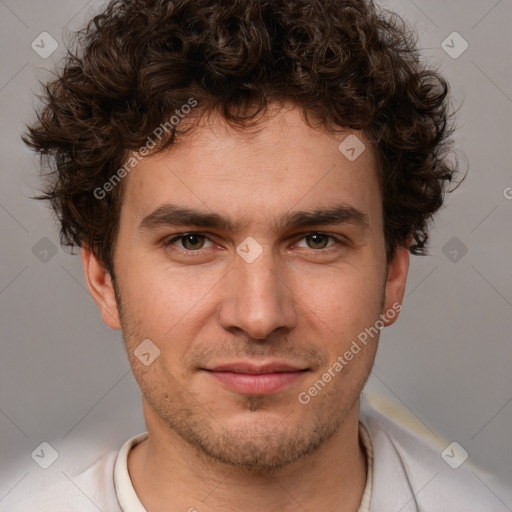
{"x": 168, "y": 243}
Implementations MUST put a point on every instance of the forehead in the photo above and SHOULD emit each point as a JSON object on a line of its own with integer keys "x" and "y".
{"x": 257, "y": 174}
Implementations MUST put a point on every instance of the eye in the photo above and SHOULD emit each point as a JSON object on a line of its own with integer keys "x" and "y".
{"x": 318, "y": 241}
{"x": 189, "y": 241}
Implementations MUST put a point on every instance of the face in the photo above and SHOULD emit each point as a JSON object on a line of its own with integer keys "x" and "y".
{"x": 252, "y": 262}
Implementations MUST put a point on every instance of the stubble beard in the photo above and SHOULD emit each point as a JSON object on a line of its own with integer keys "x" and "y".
{"x": 261, "y": 445}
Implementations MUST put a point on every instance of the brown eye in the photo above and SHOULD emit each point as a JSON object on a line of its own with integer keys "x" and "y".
{"x": 317, "y": 240}
{"x": 193, "y": 241}
{"x": 190, "y": 241}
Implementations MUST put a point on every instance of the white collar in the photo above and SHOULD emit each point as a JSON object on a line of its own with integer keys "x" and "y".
{"x": 129, "y": 501}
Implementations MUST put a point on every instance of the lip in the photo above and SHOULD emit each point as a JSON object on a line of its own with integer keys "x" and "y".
{"x": 255, "y": 369}
{"x": 250, "y": 379}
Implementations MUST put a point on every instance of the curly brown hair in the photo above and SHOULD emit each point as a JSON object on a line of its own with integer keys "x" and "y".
{"x": 345, "y": 63}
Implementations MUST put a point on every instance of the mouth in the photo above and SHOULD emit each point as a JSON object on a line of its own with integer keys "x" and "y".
{"x": 250, "y": 379}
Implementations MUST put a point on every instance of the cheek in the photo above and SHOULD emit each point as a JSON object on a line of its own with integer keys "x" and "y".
{"x": 346, "y": 300}
{"x": 162, "y": 298}
{"x": 170, "y": 308}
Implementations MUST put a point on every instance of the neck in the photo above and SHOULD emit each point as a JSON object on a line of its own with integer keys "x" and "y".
{"x": 167, "y": 473}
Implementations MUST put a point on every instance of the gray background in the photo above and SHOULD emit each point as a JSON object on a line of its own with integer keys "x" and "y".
{"x": 64, "y": 376}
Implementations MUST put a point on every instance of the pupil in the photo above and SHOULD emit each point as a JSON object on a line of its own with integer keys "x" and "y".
{"x": 317, "y": 239}
{"x": 191, "y": 240}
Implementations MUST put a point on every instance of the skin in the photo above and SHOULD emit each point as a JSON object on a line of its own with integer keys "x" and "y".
{"x": 303, "y": 300}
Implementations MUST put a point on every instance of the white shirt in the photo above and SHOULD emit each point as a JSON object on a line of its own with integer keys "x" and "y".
{"x": 406, "y": 473}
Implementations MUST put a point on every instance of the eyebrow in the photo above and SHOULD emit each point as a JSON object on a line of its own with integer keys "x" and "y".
{"x": 171, "y": 215}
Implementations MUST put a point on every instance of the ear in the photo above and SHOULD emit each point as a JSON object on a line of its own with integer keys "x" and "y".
{"x": 101, "y": 288}
{"x": 395, "y": 283}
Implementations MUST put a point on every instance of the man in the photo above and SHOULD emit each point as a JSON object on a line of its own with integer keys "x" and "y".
{"x": 246, "y": 180}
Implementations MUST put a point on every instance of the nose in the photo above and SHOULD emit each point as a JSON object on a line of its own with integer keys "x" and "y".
{"x": 257, "y": 298}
